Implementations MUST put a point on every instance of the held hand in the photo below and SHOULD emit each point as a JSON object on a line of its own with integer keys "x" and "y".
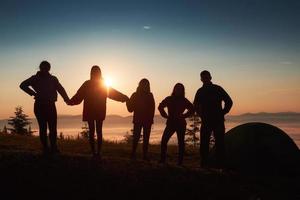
{"x": 165, "y": 116}
{"x": 34, "y": 95}
{"x": 126, "y": 98}
{"x": 68, "y": 102}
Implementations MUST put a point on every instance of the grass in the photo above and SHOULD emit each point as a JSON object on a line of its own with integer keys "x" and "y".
{"x": 75, "y": 175}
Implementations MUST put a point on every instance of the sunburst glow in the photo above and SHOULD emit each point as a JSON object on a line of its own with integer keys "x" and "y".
{"x": 108, "y": 81}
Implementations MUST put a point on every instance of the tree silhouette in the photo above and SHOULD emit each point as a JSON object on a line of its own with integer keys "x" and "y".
{"x": 30, "y": 131}
{"x": 4, "y": 131}
{"x": 19, "y": 122}
{"x": 85, "y": 131}
{"x": 128, "y": 137}
{"x": 61, "y": 136}
{"x": 193, "y": 129}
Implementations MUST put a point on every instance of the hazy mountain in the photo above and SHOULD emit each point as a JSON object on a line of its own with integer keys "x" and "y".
{"x": 281, "y": 117}
{"x": 74, "y": 121}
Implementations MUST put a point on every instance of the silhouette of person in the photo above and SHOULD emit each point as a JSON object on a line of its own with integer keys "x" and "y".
{"x": 142, "y": 104}
{"x": 94, "y": 94}
{"x": 208, "y": 105}
{"x": 44, "y": 87}
{"x": 176, "y": 105}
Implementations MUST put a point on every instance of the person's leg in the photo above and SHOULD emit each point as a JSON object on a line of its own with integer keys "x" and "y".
{"x": 52, "y": 123}
{"x": 38, "y": 111}
{"x": 181, "y": 145}
{"x": 91, "y": 124}
{"x": 99, "y": 136}
{"x": 168, "y": 132}
{"x": 219, "y": 133}
{"x": 137, "y": 128}
{"x": 146, "y": 136}
{"x": 205, "y": 133}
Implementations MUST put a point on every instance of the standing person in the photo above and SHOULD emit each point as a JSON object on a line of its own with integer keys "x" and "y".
{"x": 94, "y": 94}
{"x": 208, "y": 105}
{"x": 142, "y": 104}
{"x": 44, "y": 87}
{"x": 176, "y": 104}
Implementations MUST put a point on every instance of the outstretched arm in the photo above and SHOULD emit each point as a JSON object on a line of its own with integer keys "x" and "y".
{"x": 116, "y": 95}
{"x": 130, "y": 103}
{"x": 228, "y": 102}
{"x": 161, "y": 108}
{"x": 79, "y": 96}
{"x": 25, "y": 86}
{"x": 61, "y": 90}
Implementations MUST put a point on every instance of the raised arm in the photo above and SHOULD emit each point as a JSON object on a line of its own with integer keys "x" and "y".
{"x": 25, "y": 86}
{"x": 116, "y": 95}
{"x": 161, "y": 108}
{"x": 227, "y": 100}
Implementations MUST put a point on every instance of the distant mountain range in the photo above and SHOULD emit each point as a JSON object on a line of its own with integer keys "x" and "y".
{"x": 284, "y": 117}
{"x": 71, "y": 121}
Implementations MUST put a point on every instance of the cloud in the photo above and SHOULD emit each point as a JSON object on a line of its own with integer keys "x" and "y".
{"x": 146, "y": 27}
{"x": 286, "y": 63}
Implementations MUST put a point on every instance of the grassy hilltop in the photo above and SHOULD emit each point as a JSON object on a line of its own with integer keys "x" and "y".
{"x": 74, "y": 174}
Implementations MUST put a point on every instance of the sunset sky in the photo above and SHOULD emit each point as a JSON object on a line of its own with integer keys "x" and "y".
{"x": 251, "y": 47}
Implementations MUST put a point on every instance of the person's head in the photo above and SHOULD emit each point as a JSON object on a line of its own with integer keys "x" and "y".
{"x": 95, "y": 73}
{"x": 178, "y": 90}
{"x": 144, "y": 86}
{"x": 45, "y": 66}
{"x": 205, "y": 76}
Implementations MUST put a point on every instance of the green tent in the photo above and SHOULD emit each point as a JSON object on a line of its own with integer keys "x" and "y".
{"x": 261, "y": 147}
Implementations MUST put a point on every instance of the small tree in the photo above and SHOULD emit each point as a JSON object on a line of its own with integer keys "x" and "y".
{"x": 193, "y": 129}
{"x": 19, "y": 122}
{"x": 61, "y": 136}
{"x": 4, "y": 131}
{"x": 85, "y": 131}
{"x": 128, "y": 137}
{"x": 30, "y": 131}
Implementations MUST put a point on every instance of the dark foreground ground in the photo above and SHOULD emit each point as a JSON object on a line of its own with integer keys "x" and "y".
{"x": 75, "y": 175}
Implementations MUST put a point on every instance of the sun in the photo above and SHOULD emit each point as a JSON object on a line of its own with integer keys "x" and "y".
{"x": 108, "y": 81}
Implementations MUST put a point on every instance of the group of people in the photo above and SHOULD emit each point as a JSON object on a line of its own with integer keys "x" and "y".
{"x": 208, "y": 104}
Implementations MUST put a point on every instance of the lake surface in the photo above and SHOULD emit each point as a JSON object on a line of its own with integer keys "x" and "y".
{"x": 115, "y": 127}
{"x": 116, "y": 132}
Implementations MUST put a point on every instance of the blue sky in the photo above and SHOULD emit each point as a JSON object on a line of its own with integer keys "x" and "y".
{"x": 251, "y": 47}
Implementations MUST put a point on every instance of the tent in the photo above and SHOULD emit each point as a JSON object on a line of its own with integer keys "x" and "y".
{"x": 261, "y": 147}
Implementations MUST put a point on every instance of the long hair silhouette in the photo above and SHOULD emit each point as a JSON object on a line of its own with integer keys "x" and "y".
{"x": 144, "y": 86}
{"x": 96, "y": 73}
{"x": 178, "y": 90}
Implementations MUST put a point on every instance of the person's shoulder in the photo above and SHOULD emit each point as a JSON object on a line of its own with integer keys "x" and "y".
{"x": 86, "y": 83}
{"x": 150, "y": 95}
{"x": 167, "y": 99}
{"x": 54, "y": 78}
{"x": 218, "y": 87}
{"x": 33, "y": 77}
{"x": 187, "y": 100}
{"x": 199, "y": 90}
{"x": 133, "y": 95}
